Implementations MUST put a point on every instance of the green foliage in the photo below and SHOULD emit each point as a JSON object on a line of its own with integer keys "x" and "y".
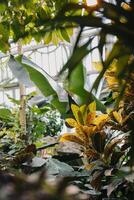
{"x": 53, "y": 123}
{"x": 23, "y": 68}
{"x": 105, "y": 149}
{"x": 18, "y": 21}
{"x": 52, "y": 21}
{"x": 45, "y": 83}
{"x": 41, "y": 122}
{"x": 5, "y": 114}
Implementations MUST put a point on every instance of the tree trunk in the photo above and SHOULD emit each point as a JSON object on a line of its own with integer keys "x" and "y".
{"x": 22, "y": 114}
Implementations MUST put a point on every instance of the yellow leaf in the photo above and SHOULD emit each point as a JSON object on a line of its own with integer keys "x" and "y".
{"x": 117, "y": 117}
{"x": 101, "y": 119}
{"x": 71, "y": 122}
{"x": 71, "y": 137}
{"x": 79, "y": 131}
{"x": 75, "y": 110}
{"x": 90, "y": 118}
{"x": 83, "y": 110}
{"x": 89, "y": 130}
{"x": 92, "y": 107}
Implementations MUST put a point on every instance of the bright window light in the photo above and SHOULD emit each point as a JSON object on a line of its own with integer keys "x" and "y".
{"x": 91, "y": 2}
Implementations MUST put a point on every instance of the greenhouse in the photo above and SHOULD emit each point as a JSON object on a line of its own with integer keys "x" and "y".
{"x": 66, "y": 106}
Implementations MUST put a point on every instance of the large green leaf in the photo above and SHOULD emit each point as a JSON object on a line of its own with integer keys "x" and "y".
{"x": 19, "y": 72}
{"x": 38, "y": 78}
{"x": 76, "y": 83}
{"x": 61, "y": 106}
{"x": 76, "y": 86}
{"x": 47, "y": 85}
{"x": 33, "y": 73}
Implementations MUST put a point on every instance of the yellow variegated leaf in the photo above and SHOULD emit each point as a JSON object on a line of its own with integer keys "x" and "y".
{"x": 88, "y": 130}
{"x": 90, "y": 118}
{"x": 117, "y": 117}
{"x": 71, "y": 122}
{"x": 92, "y": 107}
{"x": 75, "y": 110}
{"x": 83, "y": 110}
{"x": 71, "y": 137}
{"x": 101, "y": 119}
{"x": 80, "y": 133}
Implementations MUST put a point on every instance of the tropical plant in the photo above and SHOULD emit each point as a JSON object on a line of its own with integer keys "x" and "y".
{"x": 104, "y": 146}
{"x": 86, "y": 124}
{"x": 110, "y": 18}
{"x": 41, "y": 122}
{"x": 19, "y": 21}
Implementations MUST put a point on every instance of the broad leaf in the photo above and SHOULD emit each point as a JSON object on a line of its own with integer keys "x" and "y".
{"x": 77, "y": 82}
{"x": 19, "y": 72}
{"x": 55, "y": 167}
{"x": 28, "y": 72}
